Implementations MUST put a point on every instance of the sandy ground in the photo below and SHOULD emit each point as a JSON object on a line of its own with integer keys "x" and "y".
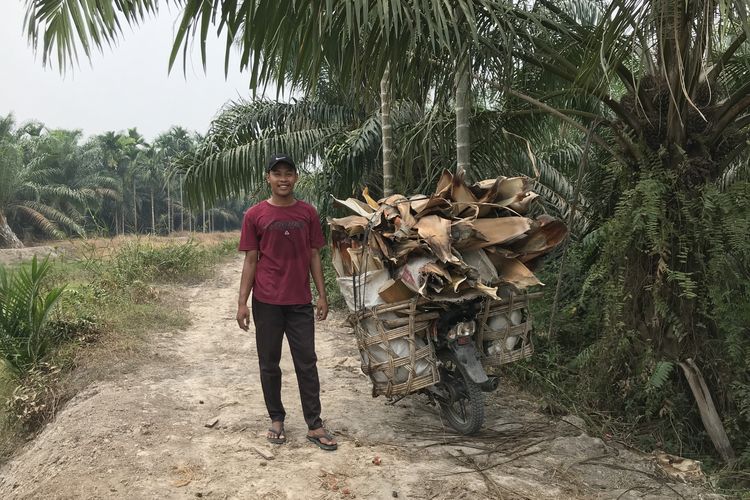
{"x": 190, "y": 422}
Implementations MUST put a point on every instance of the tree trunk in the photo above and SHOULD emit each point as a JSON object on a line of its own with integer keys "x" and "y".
{"x": 153, "y": 213}
{"x": 8, "y": 238}
{"x": 203, "y": 206}
{"x": 463, "y": 105}
{"x": 709, "y": 415}
{"x": 182, "y": 209}
{"x": 135, "y": 209}
{"x": 387, "y": 133}
{"x": 169, "y": 210}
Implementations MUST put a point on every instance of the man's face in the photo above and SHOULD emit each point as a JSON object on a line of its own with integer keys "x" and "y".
{"x": 282, "y": 179}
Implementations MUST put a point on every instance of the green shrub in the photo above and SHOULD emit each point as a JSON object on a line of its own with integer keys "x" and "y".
{"x": 137, "y": 264}
{"x": 24, "y": 311}
{"x": 227, "y": 247}
{"x": 144, "y": 263}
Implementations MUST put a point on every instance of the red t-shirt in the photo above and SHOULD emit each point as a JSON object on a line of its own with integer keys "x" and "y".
{"x": 284, "y": 238}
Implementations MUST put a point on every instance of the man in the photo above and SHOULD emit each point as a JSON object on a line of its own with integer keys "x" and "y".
{"x": 281, "y": 238}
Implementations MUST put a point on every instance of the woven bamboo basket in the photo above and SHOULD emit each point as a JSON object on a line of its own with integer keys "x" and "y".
{"x": 524, "y": 346}
{"x": 401, "y": 327}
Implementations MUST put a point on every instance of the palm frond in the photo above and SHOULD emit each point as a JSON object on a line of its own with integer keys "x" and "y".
{"x": 67, "y": 25}
{"x": 232, "y": 157}
{"x": 47, "y": 218}
{"x": 38, "y": 220}
{"x": 64, "y": 193}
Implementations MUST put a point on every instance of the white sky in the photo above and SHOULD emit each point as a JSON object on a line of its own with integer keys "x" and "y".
{"x": 125, "y": 86}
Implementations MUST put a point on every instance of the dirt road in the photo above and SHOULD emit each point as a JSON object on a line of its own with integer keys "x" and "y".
{"x": 190, "y": 421}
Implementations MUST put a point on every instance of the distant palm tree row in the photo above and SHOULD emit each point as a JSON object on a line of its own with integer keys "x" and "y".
{"x": 54, "y": 183}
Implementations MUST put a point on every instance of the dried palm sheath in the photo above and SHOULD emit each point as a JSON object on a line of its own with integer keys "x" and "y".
{"x": 400, "y": 261}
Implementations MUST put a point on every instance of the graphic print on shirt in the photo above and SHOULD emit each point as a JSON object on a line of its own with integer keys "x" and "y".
{"x": 286, "y": 226}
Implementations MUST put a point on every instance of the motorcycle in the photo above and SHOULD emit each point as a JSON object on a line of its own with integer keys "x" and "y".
{"x": 463, "y": 380}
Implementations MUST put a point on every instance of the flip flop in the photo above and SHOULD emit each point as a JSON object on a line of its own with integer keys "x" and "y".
{"x": 278, "y": 439}
{"x": 322, "y": 445}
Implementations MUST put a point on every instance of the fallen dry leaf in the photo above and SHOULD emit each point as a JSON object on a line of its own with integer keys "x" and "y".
{"x": 460, "y": 193}
{"x": 547, "y": 234}
{"x": 186, "y": 474}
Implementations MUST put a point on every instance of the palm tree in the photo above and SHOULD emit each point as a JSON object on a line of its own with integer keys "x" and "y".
{"x": 114, "y": 162}
{"x": 135, "y": 152}
{"x": 671, "y": 86}
{"x": 10, "y": 166}
{"x": 81, "y": 183}
{"x": 39, "y": 187}
{"x": 337, "y": 33}
{"x": 171, "y": 145}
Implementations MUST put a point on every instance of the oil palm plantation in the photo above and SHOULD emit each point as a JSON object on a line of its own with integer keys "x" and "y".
{"x": 42, "y": 185}
{"x": 658, "y": 90}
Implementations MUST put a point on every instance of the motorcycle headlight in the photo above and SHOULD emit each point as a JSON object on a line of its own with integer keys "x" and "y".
{"x": 462, "y": 329}
{"x": 466, "y": 328}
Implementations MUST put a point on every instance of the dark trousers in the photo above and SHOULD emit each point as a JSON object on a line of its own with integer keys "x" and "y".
{"x": 298, "y": 322}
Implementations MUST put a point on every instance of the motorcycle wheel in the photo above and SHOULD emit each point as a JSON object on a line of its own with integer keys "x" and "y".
{"x": 465, "y": 409}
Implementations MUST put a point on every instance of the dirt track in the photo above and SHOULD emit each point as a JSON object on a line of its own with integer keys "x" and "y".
{"x": 148, "y": 434}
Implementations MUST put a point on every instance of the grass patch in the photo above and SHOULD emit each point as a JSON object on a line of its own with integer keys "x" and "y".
{"x": 113, "y": 298}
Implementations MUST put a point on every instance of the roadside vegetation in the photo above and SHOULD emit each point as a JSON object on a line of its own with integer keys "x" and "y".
{"x": 68, "y": 322}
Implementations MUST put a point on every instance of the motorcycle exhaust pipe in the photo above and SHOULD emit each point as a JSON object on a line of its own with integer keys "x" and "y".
{"x": 490, "y": 385}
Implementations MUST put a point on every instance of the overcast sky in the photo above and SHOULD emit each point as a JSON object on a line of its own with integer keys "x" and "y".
{"x": 125, "y": 86}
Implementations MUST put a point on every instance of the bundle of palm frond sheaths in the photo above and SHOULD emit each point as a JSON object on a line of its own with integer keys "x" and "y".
{"x": 410, "y": 256}
{"x": 456, "y": 244}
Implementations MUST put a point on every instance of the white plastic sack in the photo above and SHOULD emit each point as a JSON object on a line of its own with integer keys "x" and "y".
{"x": 500, "y": 323}
{"x": 410, "y": 273}
{"x": 367, "y": 286}
{"x": 401, "y": 349}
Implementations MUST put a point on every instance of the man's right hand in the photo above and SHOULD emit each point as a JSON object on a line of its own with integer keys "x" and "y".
{"x": 243, "y": 316}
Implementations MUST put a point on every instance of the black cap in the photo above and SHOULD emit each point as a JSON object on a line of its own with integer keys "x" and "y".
{"x": 277, "y": 158}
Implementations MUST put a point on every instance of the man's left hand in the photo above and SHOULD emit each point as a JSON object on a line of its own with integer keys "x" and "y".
{"x": 322, "y": 309}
